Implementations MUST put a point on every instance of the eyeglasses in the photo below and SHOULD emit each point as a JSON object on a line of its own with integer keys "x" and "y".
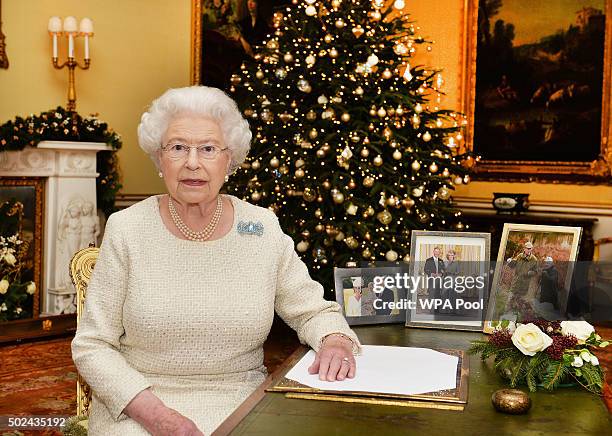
{"x": 178, "y": 151}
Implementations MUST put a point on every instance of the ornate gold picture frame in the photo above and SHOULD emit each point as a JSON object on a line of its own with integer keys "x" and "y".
{"x": 4, "y": 63}
{"x": 554, "y": 91}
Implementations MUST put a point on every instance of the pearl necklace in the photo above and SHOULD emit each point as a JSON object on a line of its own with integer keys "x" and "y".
{"x": 190, "y": 234}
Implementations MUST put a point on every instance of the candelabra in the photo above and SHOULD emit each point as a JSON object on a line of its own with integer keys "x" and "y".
{"x": 69, "y": 29}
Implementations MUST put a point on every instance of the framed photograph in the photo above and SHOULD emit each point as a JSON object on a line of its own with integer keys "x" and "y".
{"x": 366, "y": 296}
{"x": 4, "y": 63}
{"x": 537, "y": 89}
{"x": 30, "y": 193}
{"x": 450, "y": 279}
{"x": 224, "y": 34}
{"x": 533, "y": 273}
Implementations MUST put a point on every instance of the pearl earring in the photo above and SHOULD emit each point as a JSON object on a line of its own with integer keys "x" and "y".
{"x": 160, "y": 175}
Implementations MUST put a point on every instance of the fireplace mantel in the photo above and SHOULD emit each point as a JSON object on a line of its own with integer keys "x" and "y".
{"x": 70, "y": 215}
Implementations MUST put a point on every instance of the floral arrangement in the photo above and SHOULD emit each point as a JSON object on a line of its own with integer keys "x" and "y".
{"x": 545, "y": 353}
{"x": 15, "y": 292}
{"x": 62, "y": 125}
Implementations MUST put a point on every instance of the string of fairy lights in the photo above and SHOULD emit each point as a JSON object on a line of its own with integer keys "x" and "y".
{"x": 351, "y": 148}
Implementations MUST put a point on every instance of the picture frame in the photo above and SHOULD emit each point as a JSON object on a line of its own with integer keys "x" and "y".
{"x": 4, "y": 62}
{"x": 537, "y": 96}
{"x": 30, "y": 192}
{"x": 532, "y": 281}
{"x": 224, "y": 34}
{"x": 369, "y": 307}
{"x": 461, "y": 256}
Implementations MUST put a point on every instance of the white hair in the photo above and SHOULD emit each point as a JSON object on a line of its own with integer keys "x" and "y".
{"x": 199, "y": 100}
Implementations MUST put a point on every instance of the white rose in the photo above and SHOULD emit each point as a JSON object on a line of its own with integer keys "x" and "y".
{"x": 4, "y": 285}
{"x": 594, "y": 361}
{"x": 530, "y": 339}
{"x": 10, "y": 259}
{"x": 31, "y": 288}
{"x": 577, "y": 362}
{"x": 581, "y": 329}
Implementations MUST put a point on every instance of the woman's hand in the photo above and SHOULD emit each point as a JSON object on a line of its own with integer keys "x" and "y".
{"x": 169, "y": 423}
{"x": 335, "y": 360}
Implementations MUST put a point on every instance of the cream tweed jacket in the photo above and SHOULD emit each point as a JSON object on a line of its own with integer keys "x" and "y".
{"x": 188, "y": 319}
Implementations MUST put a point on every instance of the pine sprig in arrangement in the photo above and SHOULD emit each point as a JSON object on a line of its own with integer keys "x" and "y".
{"x": 60, "y": 124}
{"x": 545, "y": 354}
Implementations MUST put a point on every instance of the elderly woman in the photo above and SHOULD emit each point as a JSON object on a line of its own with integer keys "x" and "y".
{"x": 186, "y": 284}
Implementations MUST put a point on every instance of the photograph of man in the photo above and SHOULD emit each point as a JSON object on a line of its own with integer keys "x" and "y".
{"x": 549, "y": 283}
{"x": 525, "y": 266}
{"x": 353, "y": 305}
{"x": 434, "y": 267}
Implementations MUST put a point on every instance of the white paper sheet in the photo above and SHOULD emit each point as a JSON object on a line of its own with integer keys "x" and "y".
{"x": 384, "y": 369}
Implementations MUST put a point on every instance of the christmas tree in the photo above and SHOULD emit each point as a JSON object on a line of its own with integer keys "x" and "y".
{"x": 351, "y": 149}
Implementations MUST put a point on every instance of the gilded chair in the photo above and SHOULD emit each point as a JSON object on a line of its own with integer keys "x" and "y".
{"x": 81, "y": 268}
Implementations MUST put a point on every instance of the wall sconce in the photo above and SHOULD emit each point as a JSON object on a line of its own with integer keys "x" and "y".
{"x": 68, "y": 28}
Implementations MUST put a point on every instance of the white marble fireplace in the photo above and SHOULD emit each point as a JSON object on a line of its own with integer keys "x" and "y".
{"x": 70, "y": 209}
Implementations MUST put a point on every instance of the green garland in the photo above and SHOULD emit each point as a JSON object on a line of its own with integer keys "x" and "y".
{"x": 62, "y": 125}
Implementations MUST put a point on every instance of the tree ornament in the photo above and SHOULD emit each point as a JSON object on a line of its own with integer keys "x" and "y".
{"x": 387, "y": 132}
{"x": 311, "y": 115}
{"x": 459, "y": 226}
{"x": 366, "y": 253}
{"x": 256, "y": 165}
{"x": 351, "y": 242}
{"x": 359, "y": 90}
{"x": 339, "y": 236}
{"x": 313, "y": 133}
{"x": 309, "y": 194}
{"x": 304, "y": 86}
{"x": 416, "y": 121}
{"x": 369, "y": 211}
{"x": 418, "y": 191}
{"x": 386, "y": 74}
{"x": 352, "y": 209}
{"x": 255, "y": 196}
{"x": 392, "y": 201}
{"x": 259, "y": 74}
{"x": 284, "y": 169}
{"x": 399, "y": 4}
{"x": 368, "y": 182}
{"x": 418, "y": 108}
{"x": 371, "y": 126}
{"x": 311, "y": 11}
{"x": 384, "y": 217}
{"x": 381, "y": 112}
{"x": 328, "y": 38}
{"x": 423, "y": 216}
{"x": 299, "y": 173}
{"x": 372, "y": 60}
{"x": 288, "y": 57}
{"x": 274, "y": 162}
{"x": 340, "y": 23}
{"x": 319, "y": 228}
{"x": 367, "y": 236}
{"x": 391, "y": 255}
{"x": 378, "y": 160}
{"x": 352, "y": 184}
{"x": 299, "y": 163}
{"x": 310, "y": 60}
{"x": 375, "y": 15}
{"x": 267, "y": 115}
{"x": 357, "y": 31}
{"x": 335, "y": 4}
{"x": 427, "y": 136}
{"x": 466, "y": 179}
{"x": 322, "y": 99}
{"x": 446, "y": 173}
{"x": 346, "y": 117}
{"x": 333, "y": 53}
{"x": 407, "y": 203}
{"x": 397, "y": 155}
{"x": 326, "y": 184}
{"x": 416, "y": 165}
{"x": 433, "y": 167}
{"x": 373, "y": 111}
{"x": 272, "y": 44}
{"x": 327, "y": 114}
{"x": 338, "y": 197}
{"x": 444, "y": 193}
{"x": 302, "y": 246}
{"x": 458, "y": 180}
{"x": 399, "y": 111}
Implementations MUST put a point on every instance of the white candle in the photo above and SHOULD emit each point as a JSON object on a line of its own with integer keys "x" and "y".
{"x": 86, "y": 26}
{"x": 70, "y": 24}
{"x": 70, "y": 45}
{"x": 55, "y": 45}
{"x": 86, "y": 46}
{"x": 55, "y": 24}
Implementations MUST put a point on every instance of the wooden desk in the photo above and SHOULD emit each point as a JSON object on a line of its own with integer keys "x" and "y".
{"x": 566, "y": 411}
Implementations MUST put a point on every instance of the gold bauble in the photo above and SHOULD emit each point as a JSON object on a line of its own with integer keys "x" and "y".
{"x": 391, "y": 255}
{"x": 416, "y": 165}
{"x": 255, "y": 196}
{"x": 248, "y": 112}
{"x": 418, "y": 191}
{"x": 309, "y": 194}
{"x": 375, "y": 15}
{"x": 319, "y": 228}
{"x": 397, "y": 155}
{"x": 306, "y": 233}
{"x": 512, "y": 401}
{"x": 359, "y": 90}
{"x": 326, "y": 184}
{"x": 355, "y": 138}
{"x": 386, "y": 74}
{"x": 393, "y": 144}
{"x": 326, "y": 147}
{"x": 407, "y": 203}
{"x": 387, "y": 132}
{"x": 338, "y": 197}
{"x": 365, "y": 152}
{"x": 311, "y": 115}
{"x": 259, "y": 74}
{"x": 346, "y": 117}
{"x": 284, "y": 169}
{"x": 458, "y": 180}
{"x": 373, "y": 111}
{"x": 433, "y": 167}
{"x": 277, "y": 188}
{"x": 288, "y": 57}
{"x": 357, "y": 31}
{"x": 366, "y": 140}
{"x": 299, "y": 173}
{"x": 370, "y": 211}
{"x": 302, "y": 246}
{"x": 459, "y": 226}
{"x": 381, "y": 112}
{"x": 319, "y": 199}
{"x": 446, "y": 172}
{"x": 328, "y": 38}
{"x": 391, "y": 201}
{"x": 313, "y": 134}
{"x": 320, "y": 153}
{"x": 367, "y": 236}
{"x": 290, "y": 192}
{"x": 351, "y": 242}
{"x": 339, "y": 236}
{"x": 340, "y": 23}
{"x": 256, "y": 165}
{"x": 335, "y": 4}
{"x": 366, "y": 253}
{"x": 444, "y": 193}
{"x": 299, "y": 163}
{"x": 384, "y": 217}
{"x": 318, "y": 213}
{"x": 378, "y": 161}
{"x": 352, "y": 184}
{"x": 466, "y": 179}
{"x": 274, "y": 162}
{"x": 399, "y": 111}
{"x": 333, "y": 53}
{"x": 368, "y": 182}
{"x": 426, "y": 136}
